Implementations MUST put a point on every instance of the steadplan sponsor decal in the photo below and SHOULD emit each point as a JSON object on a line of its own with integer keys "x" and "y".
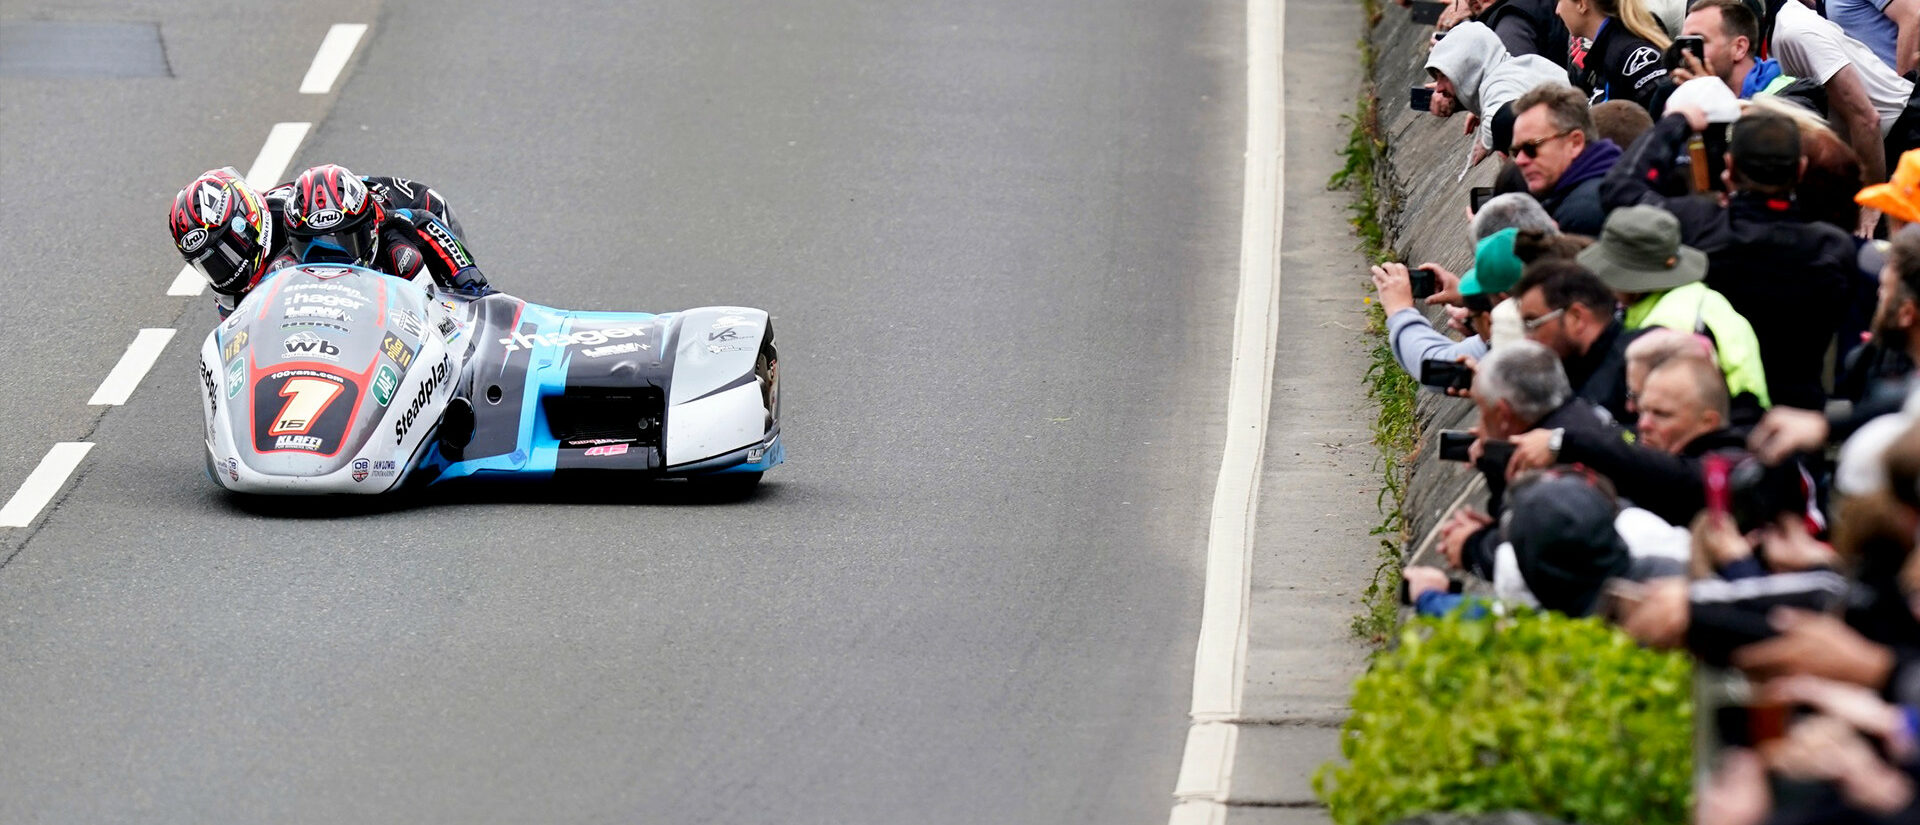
{"x": 583, "y": 338}
{"x": 439, "y": 375}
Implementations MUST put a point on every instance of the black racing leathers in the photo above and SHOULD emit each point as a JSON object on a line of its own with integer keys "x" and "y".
{"x": 1621, "y": 65}
{"x": 417, "y": 230}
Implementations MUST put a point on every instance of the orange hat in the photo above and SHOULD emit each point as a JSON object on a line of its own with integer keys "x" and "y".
{"x": 1900, "y": 197}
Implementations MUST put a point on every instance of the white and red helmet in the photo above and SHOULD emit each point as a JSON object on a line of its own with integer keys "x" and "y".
{"x": 224, "y": 229}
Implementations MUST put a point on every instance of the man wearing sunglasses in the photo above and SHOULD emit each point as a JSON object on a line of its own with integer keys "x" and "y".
{"x": 1561, "y": 157}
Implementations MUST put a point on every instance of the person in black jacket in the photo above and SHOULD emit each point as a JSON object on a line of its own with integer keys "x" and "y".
{"x": 1569, "y": 310}
{"x": 1683, "y": 416}
{"x": 1786, "y": 275}
{"x": 1624, "y": 61}
{"x": 1528, "y": 27}
{"x": 1561, "y": 155}
{"x": 1518, "y": 387}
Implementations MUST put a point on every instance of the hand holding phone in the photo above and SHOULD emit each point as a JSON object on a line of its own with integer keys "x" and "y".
{"x": 1424, "y": 282}
{"x": 1684, "y": 44}
{"x": 1446, "y": 375}
{"x": 1478, "y": 196}
{"x": 1456, "y": 444}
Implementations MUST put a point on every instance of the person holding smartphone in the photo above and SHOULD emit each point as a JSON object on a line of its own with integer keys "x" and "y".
{"x": 1472, "y": 72}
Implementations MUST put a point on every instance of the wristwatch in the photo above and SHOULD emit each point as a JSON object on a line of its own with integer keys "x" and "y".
{"x": 1554, "y": 437}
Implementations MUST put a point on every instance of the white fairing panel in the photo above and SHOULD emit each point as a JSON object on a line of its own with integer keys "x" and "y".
{"x": 715, "y": 406}
{"x": 373, "y": 373}
{"x": 716, "y": 425}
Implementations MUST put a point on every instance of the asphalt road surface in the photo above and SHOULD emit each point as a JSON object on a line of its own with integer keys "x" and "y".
{"x": 999, "y": 240}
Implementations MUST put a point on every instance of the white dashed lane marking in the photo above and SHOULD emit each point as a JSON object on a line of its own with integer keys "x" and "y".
{"x": 43, "y": 483}
{"x": 332, "y": 57}
{"x": 133, "y": 366}
{"x": 188, "y": 283}
{"x": 272, "y": 161}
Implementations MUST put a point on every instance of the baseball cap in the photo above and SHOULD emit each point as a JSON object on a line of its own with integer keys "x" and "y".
{"x": 1495, "y": 268}
{"x": 1565, "y": 543}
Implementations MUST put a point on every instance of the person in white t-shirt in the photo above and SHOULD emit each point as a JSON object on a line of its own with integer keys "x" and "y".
{"x": 1865, "y": 98}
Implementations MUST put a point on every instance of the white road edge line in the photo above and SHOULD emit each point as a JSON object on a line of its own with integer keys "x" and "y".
{"x": 133, "y": 366}
{"x": 335, "y": 48}
{"x": 43, "y": 483}
{"x": 188, "y": 283}
{"x": 1220, "y": 660}
{"x": 275, "y": 154}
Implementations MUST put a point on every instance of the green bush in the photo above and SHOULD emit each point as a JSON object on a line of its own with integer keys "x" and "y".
{"x": 1533, "y": 711}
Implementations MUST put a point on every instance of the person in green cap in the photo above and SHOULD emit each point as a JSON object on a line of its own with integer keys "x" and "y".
{"x": 1640, "y": 258}
{"x": 1412, "y": 337}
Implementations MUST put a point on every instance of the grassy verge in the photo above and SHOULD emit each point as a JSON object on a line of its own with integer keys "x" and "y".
{"x": 1389, "y": 388}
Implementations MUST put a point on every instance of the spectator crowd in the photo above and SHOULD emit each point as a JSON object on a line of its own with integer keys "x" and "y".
{"x": 1691, "y": 330}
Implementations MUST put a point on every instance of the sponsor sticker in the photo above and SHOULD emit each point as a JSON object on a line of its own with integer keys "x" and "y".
{"x": 613, "y": 349}
{"x": 408, "y": 322}
{"x": 397, "y": 350}
{"x": 324, "y": 299}
{"x": 360, "y": 469}
{"x": 582, "y": 338}
{"x": 610, "y": 449}
{"x": 310, "y": 443}
{"x": 330, "y": 313}
{"x": 192, "y": 241}
{"x": 236, "y": 375}
{"x": 305, "y": 344}
{"x": 436, "y": 377}
{"x": 726, "y": 321}
{"x": 327, "y": 274}
{"x": 385, "y": 469}
{"x": 384, "y": 383}
{"x": 233, "y": 468}
{"x": 325, "y": 219}
{"x": 233, "y": 345}
{"x": 342, "y": 289}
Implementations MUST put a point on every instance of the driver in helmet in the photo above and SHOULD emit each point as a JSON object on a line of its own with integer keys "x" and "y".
{"x": 234, "y": 236}
{"x": 394, "y": 225}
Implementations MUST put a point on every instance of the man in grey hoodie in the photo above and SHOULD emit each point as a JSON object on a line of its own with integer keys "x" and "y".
{"x": 1472, "y": 72}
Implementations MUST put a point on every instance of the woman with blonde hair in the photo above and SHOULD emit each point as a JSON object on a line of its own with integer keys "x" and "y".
{"x": 1624, "y": 61}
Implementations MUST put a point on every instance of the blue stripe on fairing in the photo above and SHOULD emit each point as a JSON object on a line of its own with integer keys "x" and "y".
{"x": 538, "y": 452}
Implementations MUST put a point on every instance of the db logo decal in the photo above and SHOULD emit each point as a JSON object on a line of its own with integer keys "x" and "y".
{"x": 325, "y": 219}
{"x": 194, "y": 240}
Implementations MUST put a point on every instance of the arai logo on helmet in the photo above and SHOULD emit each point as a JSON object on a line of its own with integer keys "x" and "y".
{"x": 325, "y": 219}
{"x": 192, "y": 241}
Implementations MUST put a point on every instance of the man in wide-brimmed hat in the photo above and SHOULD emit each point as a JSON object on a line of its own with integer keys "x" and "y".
{"x": 1640, "y": 258}
{"x": 1787, "y": 275}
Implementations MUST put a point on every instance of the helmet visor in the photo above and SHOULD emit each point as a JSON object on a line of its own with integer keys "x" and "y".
{"x": 346, "y": 246}
{"x": 228, "y": 263}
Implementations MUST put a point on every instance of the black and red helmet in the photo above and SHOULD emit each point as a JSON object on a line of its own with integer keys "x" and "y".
{"x": 332, "y": 218}
{"x": 223, "y": 228}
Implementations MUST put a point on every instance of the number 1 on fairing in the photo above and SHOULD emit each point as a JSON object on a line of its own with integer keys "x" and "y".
{"x": 306, "y": 398}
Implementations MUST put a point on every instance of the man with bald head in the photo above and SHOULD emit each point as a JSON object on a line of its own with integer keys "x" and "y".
{"x": 1682, "y": 416}
{"x": 1685, "y": 399}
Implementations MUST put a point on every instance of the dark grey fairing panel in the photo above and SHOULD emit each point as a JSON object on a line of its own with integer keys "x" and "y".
{"x": 496, "y": 380}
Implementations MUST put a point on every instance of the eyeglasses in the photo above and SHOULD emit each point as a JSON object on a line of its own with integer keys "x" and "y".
{"x": 1531, "y": 149}
{"x": 1541, "y": 321}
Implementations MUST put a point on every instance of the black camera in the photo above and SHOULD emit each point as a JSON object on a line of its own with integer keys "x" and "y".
{"x": 1454, "y": 444}
{"x": 1420, "y": 98}
{"x": 1424, "y": 281}
{"x": 1435, "y": 372}
{"x": 1684, "y": 43}
{"x": 1751, "y": 492}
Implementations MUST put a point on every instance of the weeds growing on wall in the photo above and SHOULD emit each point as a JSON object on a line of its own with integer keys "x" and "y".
{"x": 1395, "y": 428}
